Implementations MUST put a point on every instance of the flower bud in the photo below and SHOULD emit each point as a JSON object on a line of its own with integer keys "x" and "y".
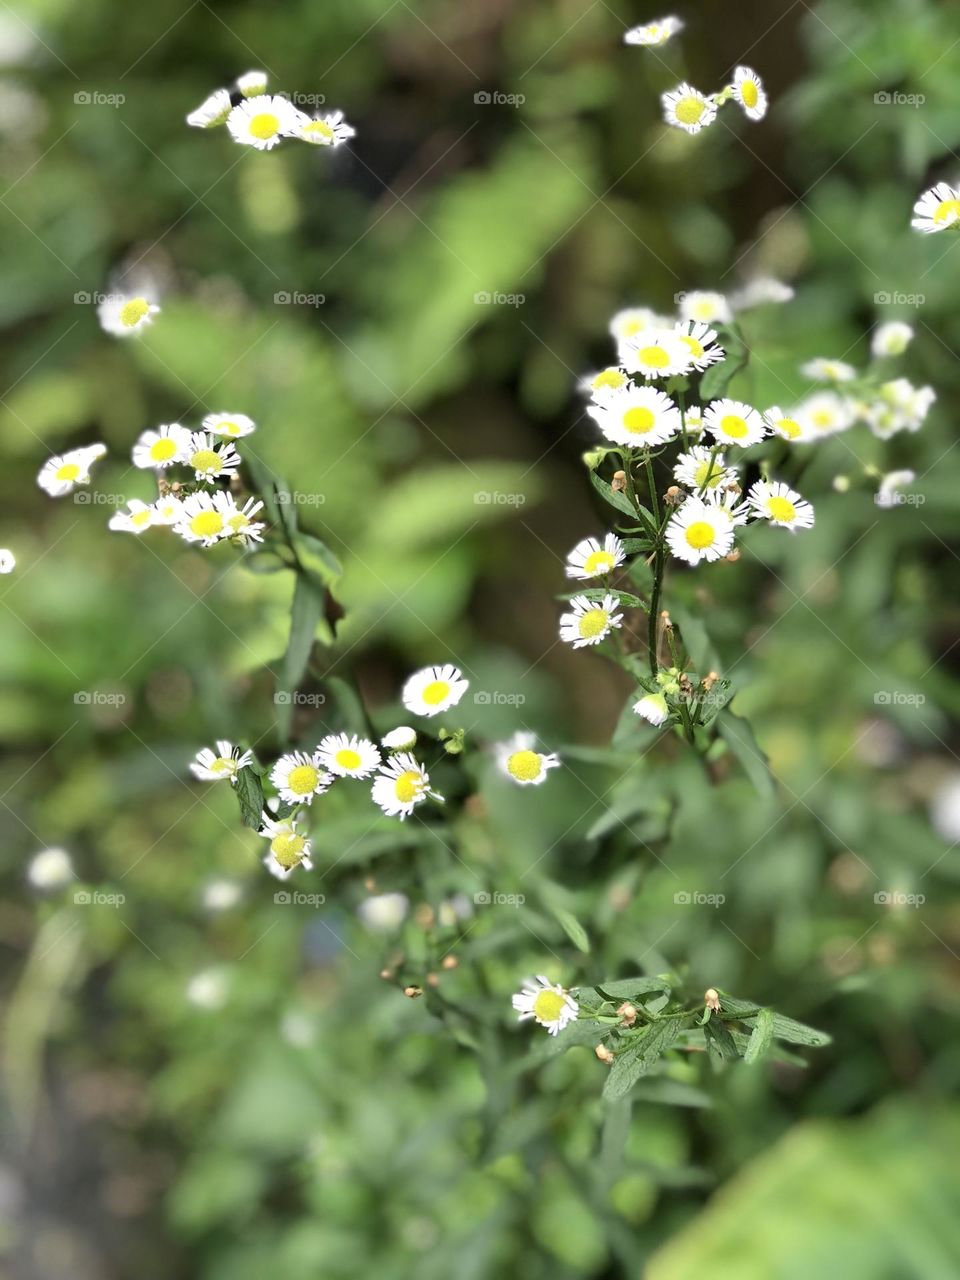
{"x": 449, "y": 962}
{"x": 412, "y": 993}
{"x": 619, "y": 482}
{"x": 627, "y": 1013}
{"x": 604, "y": 1054}
{"x": 674, "y": 496}
{"x": 711, "y": 998}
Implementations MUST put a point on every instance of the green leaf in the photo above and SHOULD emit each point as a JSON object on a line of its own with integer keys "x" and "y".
{"x": 306, "y": 615}
{"x": 250, "y": 795}
{"x": 628, "y": 988}
{"x": 571, "y": 927}
{"x": 266, "y": 562}
{"x": 739, "y": 737}
{"x": 636, "y": 1061}
{"x": 718, "y": 377}
{"x": 316, "y": 556}
{"x": 613, "y": 497}
{"x": 628, "y": 600}
{"x": 783, "y": 1028}
{"x": 760, "y": 1037}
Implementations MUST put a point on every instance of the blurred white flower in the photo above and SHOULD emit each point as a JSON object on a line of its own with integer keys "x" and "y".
{"x": 50, "y": 869}
{"x": 384, "y": 912}
{"x": 209, "y": 988}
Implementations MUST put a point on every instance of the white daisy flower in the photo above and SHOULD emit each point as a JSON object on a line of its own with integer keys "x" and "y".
{"x": 913, "y": 402}
{"x": 239, "y": 520}
{"x": 704, "y": 307}
{"x": 169, "y": 444}
{"x": 212, "y": 111}
{"x": 122, "y": 315}
{"x": 700, "y": 530}
{"x": 823, "y": 414}
{"x": 210, "y": 459}
{"x": 693, "y": 419}
{"x": 937, "y": 209}
{"x": 701, "y": 342}
{"x": 637, "y": 416}
{"x": 701, "y": 469}
{"x": 234, "y": 425}
{"x": 521, "y": 763}
{"x": 653, "y": 708}
{"x": 252, "y": 83}
{"x": 551, "y": 1005}
{"x": 888, "y": 493}
{"x": 749, "y": 92}
{"x": 8, "y": 561}
{"x": 401, "y": 785}
{"x": 590, "y": 558}
{"x": 167, "y": 510}
{"x": 434, "y": 690}
{"x": 325, "y": 131}
{"x": 633, "y": 320}
{"x": 136, "y": 519}
{"x": 62, "y": 472}
{"x": 687, "y": 108}
{"x": 601, "y": 386}
{"x": 51, "y": 869}
{"x": 759, "y": 292}
{"x": 348, "y": 756}
{"x": 775, "y": 501}
{"x": 224, "y": 763}
{"x": 733, "y": 422}
{"x": 590, "y": 621}
{"x": 201, "y": 520}
{"x": 403, "y": 738}
{"x": 660, "y": 354}
{"x": 289, "y": 847}
{"x": 299, "y": 777}
{"x": 783, "y": 425}
{"x": 264, "y": 120}
{"x": 891, "y": 339}
{"x": 653, "y": 33}
{"x": 828, "y": 370}
{"x": 384, "y": 912}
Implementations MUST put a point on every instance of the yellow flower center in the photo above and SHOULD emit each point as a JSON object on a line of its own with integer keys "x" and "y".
{"x": 697, "y": 349}
{"x": 408, "y": 786}
{"x": 140, "y": 517}
{"x": 781, "y": 509}
{"x": 789, "y": 427}
{"x": 749, "y": 93}
{"x": 593, "y": 623}
{"x": 655, "y": 357}
{"x": 229, "y": 428}
{"x": 205, "y": 460}
{"x": 320, "y": 128}
{"x": 609, "y": 378}
{"x": 639, "y": 420}
{"x": 689, "y": 110}
{"x": 823, "y": 418}
{"x": 598, "y": 562}
{"x": 700, "y": 535}
{"x": 734, "y": 426}
{"x": 525, "y": 765}
{"x": 303, "y": 779}
{"x": 223, "y": 765}
{"x": 347, "y": 758}
{"x": 708, "y": 474}
{"x": 946, "y": 210}
{"x": 206, "y": 524}
{"x": 435, "y": 692}
{"x": 288, "y": 849}
{"x": 163, "y": 450}
{"x": 264, "y": 126}
{"x": 548, "y": 1006}
{"x": 69, "y": 471}
{"x": 132, "y": 312}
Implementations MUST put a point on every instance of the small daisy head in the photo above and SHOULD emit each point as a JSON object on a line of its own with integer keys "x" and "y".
{"x": 784, "y": 425}
{"x": 549, "y": 1004}
{"x": 749, "y": 92}
{"x": 169, "y": 444}
{"x": 687, "y": 108}
{"x": 434, "y": 690}
{"x": 201, "y": 520}
{"x": 262, "y": 121}
{"x": 212, "y": 111}
{"x": 705, "y": 307}
{"x": 299, "y": 777}
{"x": 732, "y": 422}
{"x": 701, "y": 343}
{"x": 590, "y": 621}
{"x": 252, "y": 83}
{"x": 348, "y": 756}
{"x": 167, "y": 510}
{"x": 600, "y": 387}
{"x": 693, "y": 419}
{"x": 61, "y": 473}
{"x": 759, "y": 292}
{"x": 660, "y": 353}
{"x": 822, "y": 370}
{"x": 289, "y": 847}
{"x": 522, "y": 763}
{"x": 239, "y": 521}
{"x": 401, "y": 785}
{"x": 632, "y": 321}
{"x": 937, "y": 209}
{"x": 823, "y": 414}
{"x": 891, "y": 339}
{"x": 210, "y": 458}
{"x": 592, "y": 559}
{"x": 702, "y": 469}
{"x": 123, "y": 315}
{"x": 136, "y": 519}
{"x": 637, "y": 417}
{"x": 8, "y": 561}
{"x": 325, "y": 131}
{"x": 653, "y": 33}
{"x": 233, "y": 425}
{"x": 700, "y": 530}
{"x": 775, "y": 501}
{"x": 403, "y": 738}
{"x": 653, "y": 708}
{"x": 222, "y": 764}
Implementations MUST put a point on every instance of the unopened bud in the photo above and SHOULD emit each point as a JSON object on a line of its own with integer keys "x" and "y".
{"x": 449, "y": 962}
{"x": 734, "y": 556}
{"x": 387, "y": 975}
{"x": 711, "y": 999}
{"x": 674, "y": 496}
{"x": 627, "y": 1013}
{"x": 665, "y": 620}
{"x": 619, "y": 482}
{"x": 433, "y": 979}
{"x": 412, "y": 992}
{"x": 841, "y": 484}
{"x": 604, "y": 1054}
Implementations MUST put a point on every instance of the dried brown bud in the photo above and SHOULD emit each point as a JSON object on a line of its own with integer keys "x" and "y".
{"x": 619, "y": 482}
{"x": 709, "y": 681}
{"x": 733, "y": 557}
{"x": 665, "y": 620}
{"x": 412, "y": 992}
{"x": 627, "y": 1013}
{"x": 674, "y": 496}
{"x": 449, "y": 962}
{"x": 604, "y": 1054}
{"x": 711, "y": 999}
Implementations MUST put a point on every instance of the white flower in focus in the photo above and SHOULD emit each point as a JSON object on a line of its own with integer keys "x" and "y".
{"x": 434, "y": 690}
{"x": 551, "y": 1005}
{"x": 239, "y": 521}
{"x": 8, "y": 561}
{"x": 605, "y": 384}
{"x": 732, "y": 422}
{"x": 828, "y": 370}
{"x": 155, "y": 450}
{"x": 136, "y": 519}
{"x": 122, "y": 315}
{"x": 700, "y": 530}
{"x": 687, "y": 108}
{"x": 775, "y": 501}
{"x": 590, "y": 621}
{"x": 937, "y": 209}
{"x": 518, "y": 760}
{"x": 348, "y": 756}
{"x": 50, "y": 869}
{"x": 401, "y": 785}
{"x": 701, "y": 343}
{"x": 201, "y": 520}
{"x": 262, "y": 121}
{"x": 590, "y": 558}
{"x": 252, "y": 83}
{"x": 298, "y": 777}
{"x": 639, "y": 416}
{"x": 384, "y": 912}
{"x": 403, "y": 738}
{"x": 212, "y": 111}
{"x": 209, "y": 459}
{"x": 61, "y": 473}
{"x": 224, "y": 763}
{"x": 749, "y": 92}
{"x": 891, "y": 339}
{"x": 659, "y": 354}
{"x": 701, "y": 469}
{"x": 653, "y": 33}
{"x": 705, "y": 307}
{"x": 653, "y": 708}
{"x": 289, "y": 847}
{"x": 783, "y": 425}
{"x": 325, "y": 131}
{"x": 234, "y": 425}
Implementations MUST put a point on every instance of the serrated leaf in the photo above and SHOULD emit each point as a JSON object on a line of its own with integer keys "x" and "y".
{"x": 760, "y": 1037}
{"x": 783, "y": 1028}
{"x": 636, "y": 1061}
{"x": 249, "y": 793}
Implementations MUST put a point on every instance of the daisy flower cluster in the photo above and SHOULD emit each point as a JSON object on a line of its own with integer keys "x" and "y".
{"x": 687, "y": 108}
{"x": 262, "y": 120}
